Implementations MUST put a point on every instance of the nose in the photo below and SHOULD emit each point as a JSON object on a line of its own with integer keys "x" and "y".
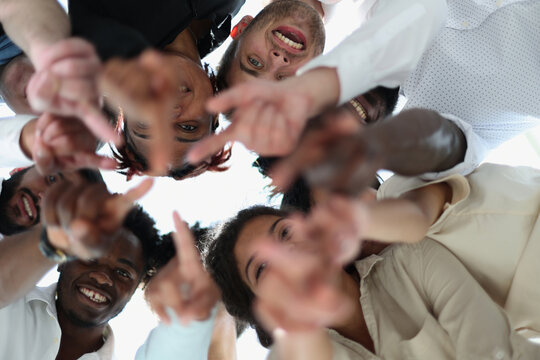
{"x": 279, "y": 58}
{"x": 101, "y": 278}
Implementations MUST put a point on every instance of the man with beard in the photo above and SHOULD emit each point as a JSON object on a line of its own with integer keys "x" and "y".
{"x": 69, "y": 320}
{"x": 21, "y": 196}
{"x": 392, "y": 35}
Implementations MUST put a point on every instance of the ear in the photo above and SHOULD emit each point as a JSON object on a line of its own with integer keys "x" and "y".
{"x": 239, "y": 28}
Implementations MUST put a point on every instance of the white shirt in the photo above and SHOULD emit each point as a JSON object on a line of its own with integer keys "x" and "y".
{"x": 492, "y": 225}
{"x": 484, "y": 68}
{"x": 11, "y": 154}
{"x": 420, "y": 303}
{"x": 29, "y": 329}
{"x": 390, "y": 38}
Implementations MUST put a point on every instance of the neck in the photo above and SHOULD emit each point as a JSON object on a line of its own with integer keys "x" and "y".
{"x": 354, "y": 326}
{"x": 77, "y": 340}
{"x": 185, "y": 44}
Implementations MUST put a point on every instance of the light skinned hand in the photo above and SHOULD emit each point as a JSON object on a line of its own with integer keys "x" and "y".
{"x": 268, "y": 119}
{"x": 83, "y": 219}
{"x": 65, "y": 84}
{"x": 183, "y": 285}
{"x": 62, "y": 143}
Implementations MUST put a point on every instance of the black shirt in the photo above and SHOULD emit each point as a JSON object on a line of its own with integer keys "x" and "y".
{"x": 126, "y": 27}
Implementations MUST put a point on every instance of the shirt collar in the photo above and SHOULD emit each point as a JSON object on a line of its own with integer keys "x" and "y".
{"x": 365, "y": 265}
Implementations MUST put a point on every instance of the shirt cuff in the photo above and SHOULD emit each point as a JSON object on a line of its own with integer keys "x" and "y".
{"x": 477, "y": 149}
{"x": 10, "y": 148}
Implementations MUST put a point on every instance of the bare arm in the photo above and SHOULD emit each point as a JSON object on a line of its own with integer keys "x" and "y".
{"x": 419, "y": 141}
{"x": 408, "y": 218}
{"x": 21, "y": 265}
{"x": 223, "y": 342}
{"x": 34, "y": 24}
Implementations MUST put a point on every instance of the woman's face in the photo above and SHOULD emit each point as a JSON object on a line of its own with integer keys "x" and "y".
{"x": 258, "y": 232}
{"x": 189, "y": 122}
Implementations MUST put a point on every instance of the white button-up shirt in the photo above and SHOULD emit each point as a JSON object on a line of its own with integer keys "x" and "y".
{"x": 389, "y": 40}
{"x": 483, "y": 68}
{"x": 419, "y": 302}
{"x": 29, "y": 329}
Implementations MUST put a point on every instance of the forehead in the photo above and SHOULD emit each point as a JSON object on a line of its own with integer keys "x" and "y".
{"x": 127, "y": 246}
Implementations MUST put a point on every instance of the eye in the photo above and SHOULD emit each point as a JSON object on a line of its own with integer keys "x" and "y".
{"x": 285, "y": 233}
{"x": 255, "y": 62}
{"x": 123, "y": 273}
{"x": 187, "y": 127}
{"x": 184, "y": 89}
{"x": 142, "y": 136}
{"x": 51, "y": 179}
{"x": 259, "y": 271}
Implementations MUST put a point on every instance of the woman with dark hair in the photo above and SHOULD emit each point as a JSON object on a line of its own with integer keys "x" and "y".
{"x": 450, "y": 211}
{"x": 416, "y": 301}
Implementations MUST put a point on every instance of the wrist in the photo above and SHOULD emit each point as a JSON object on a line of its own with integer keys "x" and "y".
{"x": 320, "y": 97}
{"x": 50, "y": 251}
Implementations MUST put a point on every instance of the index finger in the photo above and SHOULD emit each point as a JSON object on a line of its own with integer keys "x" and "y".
{"x": 117, "y": 207}
{"x": 188, "y": 254}
{"x": 96, "y": 122}
{"x": 236, "y": 96}
{"x": 209, "y": 146}
{"x": 71, "y": 47}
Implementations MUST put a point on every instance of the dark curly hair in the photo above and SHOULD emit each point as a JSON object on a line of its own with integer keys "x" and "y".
{"x": 144, "y": 228}
{"x": 222, "y": 265}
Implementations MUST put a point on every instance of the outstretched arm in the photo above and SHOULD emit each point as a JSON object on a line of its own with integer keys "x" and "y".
{"x": 34, "y": 25}
{"x": 411, "y": 143}
{"x": 21, "y": 265}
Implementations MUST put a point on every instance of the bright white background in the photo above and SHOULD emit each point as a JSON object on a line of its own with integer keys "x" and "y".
{"x": 211, "y": 198}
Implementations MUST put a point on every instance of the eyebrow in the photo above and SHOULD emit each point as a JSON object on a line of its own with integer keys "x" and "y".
{"x": 247, "y": 266}
{"x": 128, "y": 263}
{"x": 248, "y": 70}
{"x": 270, "y": 231}
{"x": 273, "y": 226}
{"x": 179, "y": 139}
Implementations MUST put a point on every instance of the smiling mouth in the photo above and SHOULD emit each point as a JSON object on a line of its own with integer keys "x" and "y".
{"x": 93, "y": 295}
{"x": 27, "y": 205}
{"x": 359, "y": 109}
{"x": 290, "y": 39}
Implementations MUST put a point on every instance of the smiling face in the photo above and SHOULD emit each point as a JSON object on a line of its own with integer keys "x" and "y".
{"x": 21, "y": 197}
{"x": 189, "y": 123}
{"x": 13, "y": 82}
{"x": 254, "y": 235}
{"x": 284, "y": 36}
{"x": 92, "y": 293}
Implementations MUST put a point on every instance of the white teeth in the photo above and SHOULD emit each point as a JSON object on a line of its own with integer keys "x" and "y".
{"x": 359, "y": 109}
{"x": 288, "y": 41}
{"x": 27, "y": 207}
{"x": 92, "y": 295}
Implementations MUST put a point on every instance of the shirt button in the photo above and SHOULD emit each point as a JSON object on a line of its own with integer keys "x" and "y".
{"x": 465, "y": 23}
{"x": 56, "y": 340}
{"x": 499, "y": 3}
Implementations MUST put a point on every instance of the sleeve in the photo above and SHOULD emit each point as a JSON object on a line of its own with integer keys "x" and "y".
{"x": 10, "y": 133}
{"x": 477, "y": 149}
{"x": 386, "y": 48}
{"x": 177, "y": 341}
{"x": 477, "y": 326}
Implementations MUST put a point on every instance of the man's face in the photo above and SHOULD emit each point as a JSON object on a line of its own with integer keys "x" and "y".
{"x": 282, "y": 38}
{"x": 91, "y": 293}
{"x": 22, "y": 208}
{"x": 13, "y": 82}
